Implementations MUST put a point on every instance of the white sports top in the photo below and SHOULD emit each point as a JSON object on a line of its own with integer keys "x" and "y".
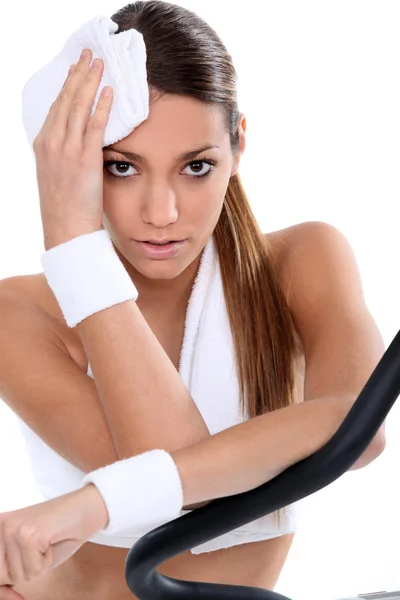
{"x": 55, "y": 476}
{"x": 216, "y": 399}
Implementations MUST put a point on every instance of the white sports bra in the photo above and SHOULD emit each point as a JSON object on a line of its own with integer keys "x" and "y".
{"x": 207, "y": 368}
{"x": 55, "y": 476}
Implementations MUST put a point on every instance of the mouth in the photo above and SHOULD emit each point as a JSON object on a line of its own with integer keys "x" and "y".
{"x": 162, "y": 243}
{"x": 157, "y": 250}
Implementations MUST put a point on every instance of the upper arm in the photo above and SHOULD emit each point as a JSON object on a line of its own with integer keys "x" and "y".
{"x": 43, "y": 386}
{"x": 342, "y": 343}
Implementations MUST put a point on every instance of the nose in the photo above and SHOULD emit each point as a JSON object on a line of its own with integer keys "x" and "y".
{"x": 159, "y": 206}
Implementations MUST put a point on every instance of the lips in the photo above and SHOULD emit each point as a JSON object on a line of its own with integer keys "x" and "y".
{"x": 160, "y": 251}
{"x": 162, "y": 243}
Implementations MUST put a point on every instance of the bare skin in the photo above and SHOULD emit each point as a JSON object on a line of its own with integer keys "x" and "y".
{"x": 96, "y": 572}
{"x": 160, "y": 192}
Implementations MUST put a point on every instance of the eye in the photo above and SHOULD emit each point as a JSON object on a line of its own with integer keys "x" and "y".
{"x": 111, "y": 163}
{"x": 126, "y": 175}
{"x": 209, "y": 162}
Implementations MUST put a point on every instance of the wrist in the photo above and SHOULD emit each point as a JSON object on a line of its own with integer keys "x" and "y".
{"x": 95, "y": 506}
{"x": 85, "y": 274}
{"x": 57, "y": 235}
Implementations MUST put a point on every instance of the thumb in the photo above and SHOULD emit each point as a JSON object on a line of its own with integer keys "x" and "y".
{"x": 7, "y": 593}
{"x": 60, "y": 552}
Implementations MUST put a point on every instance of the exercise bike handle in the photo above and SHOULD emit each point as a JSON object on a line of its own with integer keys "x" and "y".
{"x": 298, "y": 481}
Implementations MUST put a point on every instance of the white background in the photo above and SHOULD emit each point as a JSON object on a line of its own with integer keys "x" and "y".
{"x": 319, "y": 84}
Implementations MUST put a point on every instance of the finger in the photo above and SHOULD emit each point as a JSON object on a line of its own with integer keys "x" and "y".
{"x": 33, "y": 554}
{"x": 13, "y": 557}
{"x": 7, "y": 593}
{"x": 98, "y": 122}
{"x": 82, "y": 104}
{"x": 62, "y": 551}
{"x": 54, "y": 107}
{"x": 4, "y": 572}
{"x": 57, "y": 121}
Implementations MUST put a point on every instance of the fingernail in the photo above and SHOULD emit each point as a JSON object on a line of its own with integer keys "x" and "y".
{"x": 95, "y": 64}
{"x": 84, "y": 54}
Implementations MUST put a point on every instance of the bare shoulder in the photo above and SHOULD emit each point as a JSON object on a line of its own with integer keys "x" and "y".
{"x": 282, "y": 244}
{"x": 302, "y": 253}
{"x": 295, "y": 249}
{"x": 32, "y": 295}
{"x": 32, "y": 289}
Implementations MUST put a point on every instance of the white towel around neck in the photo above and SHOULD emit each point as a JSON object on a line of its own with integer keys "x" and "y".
{"x": 208, "y": 370}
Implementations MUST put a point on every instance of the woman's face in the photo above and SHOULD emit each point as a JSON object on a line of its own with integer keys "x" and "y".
{"x": 163, "y": 195}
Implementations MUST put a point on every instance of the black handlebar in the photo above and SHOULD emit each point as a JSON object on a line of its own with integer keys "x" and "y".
{"x": 298, "y": 481}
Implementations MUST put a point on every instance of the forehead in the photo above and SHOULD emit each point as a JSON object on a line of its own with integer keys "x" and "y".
{"x": 179, "y": 122}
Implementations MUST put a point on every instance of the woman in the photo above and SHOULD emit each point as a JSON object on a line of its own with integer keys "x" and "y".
{"x": 302, "y": 313}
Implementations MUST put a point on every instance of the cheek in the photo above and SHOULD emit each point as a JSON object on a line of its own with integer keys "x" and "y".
{"x": 117, "y": 204}
{"x": 207, "y": 206}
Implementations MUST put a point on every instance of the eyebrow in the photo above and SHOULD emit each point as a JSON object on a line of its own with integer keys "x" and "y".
{"x": 181, "y": 157}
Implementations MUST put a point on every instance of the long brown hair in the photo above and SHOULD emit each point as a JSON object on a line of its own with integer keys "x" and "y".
{"x": 185, "y": 56}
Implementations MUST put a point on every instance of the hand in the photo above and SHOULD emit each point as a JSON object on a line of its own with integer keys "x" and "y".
{"x": 7, "y": 593}
{"x": 42, "y": 536}
{"x": 69, "y": 157}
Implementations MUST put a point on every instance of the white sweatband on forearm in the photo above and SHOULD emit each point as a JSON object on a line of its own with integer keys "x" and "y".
{"x": 86, "y": 276}
{"x": 139, "y": 490}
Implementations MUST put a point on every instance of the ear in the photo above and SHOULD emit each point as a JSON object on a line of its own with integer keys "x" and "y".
{"x": 242, "y": 144}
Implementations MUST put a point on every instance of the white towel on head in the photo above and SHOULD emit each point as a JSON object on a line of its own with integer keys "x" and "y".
{"x": 124, "y": 57}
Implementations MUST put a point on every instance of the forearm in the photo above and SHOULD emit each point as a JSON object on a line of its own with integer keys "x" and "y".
{"x": 144, "y": 399}
{"x": 247, "y": 455}
{"x": 231, "y": 462}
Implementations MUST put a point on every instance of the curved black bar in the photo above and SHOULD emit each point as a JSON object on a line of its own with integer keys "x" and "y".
{"x": 298, "y": 481}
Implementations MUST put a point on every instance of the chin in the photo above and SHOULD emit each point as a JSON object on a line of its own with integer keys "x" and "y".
{"x": 159, "y": 269}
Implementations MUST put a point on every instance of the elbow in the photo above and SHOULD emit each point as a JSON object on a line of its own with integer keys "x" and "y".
{"x": 375, "y": 449}
{"x": 380, "y": 440}
{"x": 377, "y": 445}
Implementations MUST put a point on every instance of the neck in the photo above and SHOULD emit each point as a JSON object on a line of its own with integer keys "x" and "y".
{"x": 167, "y": 295}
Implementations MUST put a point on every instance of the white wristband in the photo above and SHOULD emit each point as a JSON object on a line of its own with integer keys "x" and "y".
{"x": 87, "y": 276}
{"x": 139, "y": 490}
